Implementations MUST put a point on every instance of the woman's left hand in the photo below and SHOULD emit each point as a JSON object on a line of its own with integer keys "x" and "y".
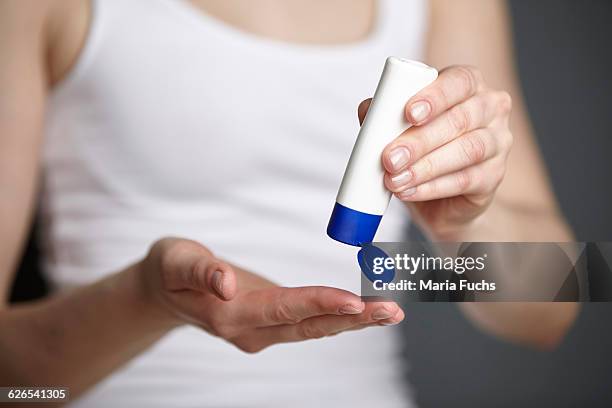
{"x": 448, "y": 165}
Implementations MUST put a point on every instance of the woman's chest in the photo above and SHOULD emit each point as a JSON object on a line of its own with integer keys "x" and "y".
{"x": 175, "y": 105}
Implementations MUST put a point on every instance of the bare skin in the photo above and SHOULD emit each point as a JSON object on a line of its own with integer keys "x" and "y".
{"x": 182, "y": 282}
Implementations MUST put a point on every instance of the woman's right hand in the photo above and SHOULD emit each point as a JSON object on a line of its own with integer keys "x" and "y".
{"x": 186, "y": 283}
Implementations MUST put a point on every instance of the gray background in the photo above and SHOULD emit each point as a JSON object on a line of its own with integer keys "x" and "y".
{"x": 565, "y": 64}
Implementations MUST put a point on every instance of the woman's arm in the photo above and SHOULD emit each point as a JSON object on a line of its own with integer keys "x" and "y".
{"x": 472, "y": 32}
{"x": 478, "y": 33}
{"x": 449, "y": 167}
{"x": 22, "y": 94}
{"x": 75, "y": 339}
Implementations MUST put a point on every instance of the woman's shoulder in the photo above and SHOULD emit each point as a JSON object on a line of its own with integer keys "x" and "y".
{"x": 56, "y": 28}
{"x": 66, "y": 33}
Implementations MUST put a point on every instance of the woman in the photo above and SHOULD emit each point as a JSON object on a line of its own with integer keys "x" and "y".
{"x": 229, "y": 123}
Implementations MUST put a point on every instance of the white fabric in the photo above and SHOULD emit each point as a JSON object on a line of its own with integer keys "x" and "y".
{"x": 174, "y": 123}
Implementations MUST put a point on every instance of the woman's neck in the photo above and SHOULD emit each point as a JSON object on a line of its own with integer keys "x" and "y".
{"x": 299, "y": 21}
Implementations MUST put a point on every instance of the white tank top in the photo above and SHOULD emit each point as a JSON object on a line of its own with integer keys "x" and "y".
{"x": 174, "y": 123}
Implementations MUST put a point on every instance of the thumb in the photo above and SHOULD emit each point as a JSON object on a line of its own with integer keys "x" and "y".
{"x": 363, "y": 109}
{"x": 188, "y": 265}
{"x": 211, "y": 276}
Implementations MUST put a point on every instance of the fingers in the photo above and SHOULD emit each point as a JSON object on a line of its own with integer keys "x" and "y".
{"x": 453, "y": 85}
{"x": 322, "y": 326}
{"x": 392, "y": 321}
{"x": 280, "y": 305}
{"x": 187, "y": 265}
{"x": 476, "y": 113}
{"x": 453, "y": 154}
{"x": 468, "y": 150}
{"x": 476, "y": 180}
{"x": 378, "y": 313}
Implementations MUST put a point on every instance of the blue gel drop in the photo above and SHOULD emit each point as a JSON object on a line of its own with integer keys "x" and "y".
{"x": 367, "y": 256}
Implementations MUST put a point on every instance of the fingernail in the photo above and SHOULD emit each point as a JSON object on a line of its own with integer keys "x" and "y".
{"x": 408, "y": 192}
{"x": 389, "y": 323}
{"x": 351, "y": 309}
{"x": 381, "y": 314}
{"x": 217, "y": 281}
{"x": 399, "y": 157}
{"x": 402, "y": 178}
{"x": 420, "y": 111}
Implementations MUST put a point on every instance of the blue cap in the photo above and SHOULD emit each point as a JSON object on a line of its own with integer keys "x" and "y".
{"x": 366, "y": 258}
{"x": 352, "y": 227}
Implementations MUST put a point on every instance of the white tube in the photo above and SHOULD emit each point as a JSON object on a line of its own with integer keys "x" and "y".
{"x": 362, "y": 198}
